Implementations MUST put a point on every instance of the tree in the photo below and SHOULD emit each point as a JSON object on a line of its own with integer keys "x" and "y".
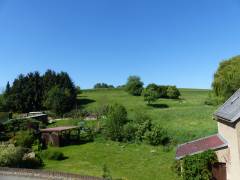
{"x": 134, "y": 86}
{"x": 227, "y": 78}
{"x": 59, "y": 100}
{"x": 103, "y": 86}
{"x": 29, "y": 92}
{"x": 173, "y": 92}
{"x": 78, "y": 90}
{"x": 150, "y": 95}
{"x": 162, "y": 91}
{"x": 116, "y": 118}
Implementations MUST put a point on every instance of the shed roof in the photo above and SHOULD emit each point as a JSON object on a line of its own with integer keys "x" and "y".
{"x": 230, "y": 110}
{"x": 213, "y": 142}
{"x": 59, "y": 129}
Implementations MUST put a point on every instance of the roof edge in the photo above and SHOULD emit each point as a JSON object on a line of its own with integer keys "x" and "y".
{"x": 225, "y": 145}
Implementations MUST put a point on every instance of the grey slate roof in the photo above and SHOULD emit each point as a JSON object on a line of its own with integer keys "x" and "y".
{"x": 230, "y": 110}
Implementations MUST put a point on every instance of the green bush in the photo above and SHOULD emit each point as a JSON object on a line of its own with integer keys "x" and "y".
{"x": 129, "y": 131}
{"x": 116, "y": 118}
{"x": 173, "y": 92}
{"x": 24, "y": 139}
{"x": 157, "y": 136}
{"x": 87, "y": 135}
{"x": 53, "y": 155}
{"x": 142, "y": 128}
{"x": 198, "y": 166}
{"x": 10, "y": 156}
{"x": 32, "y": 162}
{"x": 213, "y": 100}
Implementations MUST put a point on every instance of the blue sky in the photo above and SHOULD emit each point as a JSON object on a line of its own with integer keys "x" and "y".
{"x": 163, "y": 41}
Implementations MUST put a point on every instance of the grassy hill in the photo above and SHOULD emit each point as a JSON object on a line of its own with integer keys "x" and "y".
{"x": 185, "y": 119}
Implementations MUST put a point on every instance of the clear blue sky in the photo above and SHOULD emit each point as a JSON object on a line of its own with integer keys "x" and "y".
{"x": 164, "y": 41}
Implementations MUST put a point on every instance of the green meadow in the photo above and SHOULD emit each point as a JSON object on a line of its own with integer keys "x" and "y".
{"x": 185, "y": 119}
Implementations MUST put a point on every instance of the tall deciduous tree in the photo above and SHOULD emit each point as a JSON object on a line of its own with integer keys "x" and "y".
{"x": 227, "y": 78}
{"x": 134, "y": 86}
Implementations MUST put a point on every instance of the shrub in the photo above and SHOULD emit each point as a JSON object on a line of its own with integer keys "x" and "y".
{"x": 106, "y": 173}
{"x": 24, "y": 139}
{"x": 198, "y": 166}
{"x": 157, "y": 136}
{"x": 10, "y": 156}
{"x": 129, "y": 131}
{"x": 114, "y": 122}
{"x": 142, "y": 128}
{"x": 213, "y": 100}
{"x": 33, "y": 162}
{"x": 53, "y": 155}
{"x": 173, "y": 92}
{"x": 86, "y": 135}
{"x": 134, "y": 86}
{"x": 22, "y": 124}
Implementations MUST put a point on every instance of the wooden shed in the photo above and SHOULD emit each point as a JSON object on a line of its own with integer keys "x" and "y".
{"x": 60, "y": 136}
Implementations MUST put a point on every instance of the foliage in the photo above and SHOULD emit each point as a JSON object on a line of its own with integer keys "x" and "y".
{"x": 15, "y": 125}
{"x": 173, "y": 92}
{"x": 10, "y": 156}
{"x": 28, "y": 92}
{"x": 227, "y": 78}
{"x": 129, "y": 131}
{"x": 78, "y": 90}
{"x": 150, "y": 95}
{"x": 24, "y": 139}
{"x": 103, "y": 86}
{"x": 106, "y": 173}
{"x": 4, "y": 116}
{"x": 134, "y": 86}
{"x": 115, "y": 120}
{"x": 213, "y": 100}
{"x": 53, "y": 155}
{"x": 162, "y": 91}
{"x": 198, "y": 166}
{"x": 157, "y": 136}
{"x": 153, "y": 91}
{"x": 31, "y": 160}
{"x": 76, "y": 113}
{"x": 142, "y": 128}
{"x": 86, "y": 135}
{"x": 59, "y": 100}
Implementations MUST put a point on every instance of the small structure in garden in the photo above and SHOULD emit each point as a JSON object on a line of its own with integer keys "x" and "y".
{"x": 226, "y": 143}
{"x": 60, "y": 136}
{"x": 40, "y": 116}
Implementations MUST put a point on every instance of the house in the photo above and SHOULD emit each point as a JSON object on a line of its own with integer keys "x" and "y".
{"x": 226, "y": 143}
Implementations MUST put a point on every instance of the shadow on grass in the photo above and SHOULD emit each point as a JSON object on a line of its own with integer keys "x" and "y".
{"x": 161, "y": 106}
{"x": 85, "y": 101}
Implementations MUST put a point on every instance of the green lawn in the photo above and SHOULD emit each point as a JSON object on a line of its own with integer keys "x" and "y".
{"x": 185, "y": 119}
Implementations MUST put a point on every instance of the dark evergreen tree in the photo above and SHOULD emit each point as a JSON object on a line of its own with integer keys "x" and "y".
{"x": 28, "y": 93}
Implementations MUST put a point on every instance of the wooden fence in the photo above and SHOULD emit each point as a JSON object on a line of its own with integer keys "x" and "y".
{"x": 41, "y": 174}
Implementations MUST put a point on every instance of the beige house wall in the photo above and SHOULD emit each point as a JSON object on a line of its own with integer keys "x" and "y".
{"x": 231, "y": 155}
